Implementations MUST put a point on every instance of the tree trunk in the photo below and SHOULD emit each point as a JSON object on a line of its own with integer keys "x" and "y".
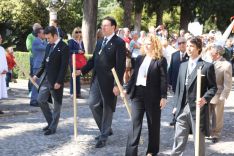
{"x": 137, "y": 23}
{"x": 159, "y": 13}
{"x": 185, "y": 16}
{"x": 128, "y": 4}
{"x": 89, "y": 25}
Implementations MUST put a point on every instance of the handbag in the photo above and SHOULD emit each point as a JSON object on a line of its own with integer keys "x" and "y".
{"x": 80, "y": 60}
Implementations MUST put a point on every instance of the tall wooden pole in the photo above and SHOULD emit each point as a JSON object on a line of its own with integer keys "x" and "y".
{"x": 197, "y": 133}
{"x": 121, "y": 91}
{"x": 74, "y": 94}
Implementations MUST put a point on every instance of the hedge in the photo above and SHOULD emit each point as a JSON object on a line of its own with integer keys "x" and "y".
{"x": 22, "y": 69}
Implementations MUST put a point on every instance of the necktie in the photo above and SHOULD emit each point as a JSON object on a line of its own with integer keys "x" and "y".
{"x": 51, "y": 48}
{"x": 104, "y": 43}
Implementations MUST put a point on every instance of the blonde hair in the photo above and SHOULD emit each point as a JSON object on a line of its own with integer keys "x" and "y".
{"x": 74, "y": 31}
{"x": 156, "y": 52}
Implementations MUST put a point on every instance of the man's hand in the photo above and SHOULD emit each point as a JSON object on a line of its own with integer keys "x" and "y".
{"x": 116, "y": 90}
{"x": 57, "y": 86}
{"x": 78, "y": 73}
{"x": 123, "y": 94}
{"x": 163, "y": 103}
{"x": 201, "y": 102}
{"x": 34, "y": 78}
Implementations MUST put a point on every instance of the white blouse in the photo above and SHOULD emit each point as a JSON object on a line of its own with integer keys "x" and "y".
{"x": 143, "y": 70}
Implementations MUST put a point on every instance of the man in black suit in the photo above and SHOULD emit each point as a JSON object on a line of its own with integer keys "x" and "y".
{"x": 176, "y": 59}
{"x": 186, "y": 98}
{"x": 52, "y": 72}
{"x": 109, "y": 52}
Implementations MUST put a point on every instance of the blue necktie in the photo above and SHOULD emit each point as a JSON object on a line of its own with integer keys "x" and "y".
{"x": 104, "y": 43}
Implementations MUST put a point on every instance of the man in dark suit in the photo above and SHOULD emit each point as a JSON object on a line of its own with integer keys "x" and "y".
{"x": 176, "y": 59}
{"x": 52, "y": 72}
{"x": 109, "y": 52}
{"x": 186, "y": 98}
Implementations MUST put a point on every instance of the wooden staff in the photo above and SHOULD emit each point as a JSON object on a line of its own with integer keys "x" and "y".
{"x": 74, "y": 94}
{"x": 121, "y": 91}
{"x": 197, "y": 133}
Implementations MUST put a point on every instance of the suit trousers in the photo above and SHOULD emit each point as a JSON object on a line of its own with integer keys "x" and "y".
{"x": 139, "y": 107}
{"x": 101, "y": 110}
{"x": 51, "y": 113}
{"x": 216, "y": 113}
{"x": 34, "y": 94}
{"x": 184, "y": 123}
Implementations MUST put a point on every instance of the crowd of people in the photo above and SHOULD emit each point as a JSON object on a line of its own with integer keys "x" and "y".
{"x": 148, "y": 64}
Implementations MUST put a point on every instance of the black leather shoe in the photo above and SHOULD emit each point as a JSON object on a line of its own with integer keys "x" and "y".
{"x": 34, "y": 104}
{"x": 214, "y": 140}
{"x": 49, "y": 132}
{"x": 110, "y": 133}
{"x": 100, "y": 144}
{"x": 45, "y": 128}
{"x": 1, "y": 112}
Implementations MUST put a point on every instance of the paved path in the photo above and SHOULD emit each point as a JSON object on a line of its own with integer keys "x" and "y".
{"x": 21, "y": 130}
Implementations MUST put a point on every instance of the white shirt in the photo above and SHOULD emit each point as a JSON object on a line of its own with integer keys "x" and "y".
{"x": 143, "y": 70}
{"x": 109, "y": 37}
{"x": 192, "y": 63}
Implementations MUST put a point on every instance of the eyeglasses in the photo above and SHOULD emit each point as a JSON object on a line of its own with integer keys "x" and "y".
{"x": 179, "y": 43}
{"x": 78, "y": 32}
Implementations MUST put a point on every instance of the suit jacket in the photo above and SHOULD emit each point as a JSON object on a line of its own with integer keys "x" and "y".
{"x": 38, "y": 52}
{"x": 112, "y": 55}
{"x": 55, "y": 69}
{"x": 223, "y": 73}
{"x": 156, "y": 82}
{"x": 174, "y": 68}
{"x": 208, "y": 90}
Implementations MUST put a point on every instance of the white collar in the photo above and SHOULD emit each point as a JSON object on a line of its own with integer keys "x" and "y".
{"x": 56, "y": 42}
{"x": 194, "y": 60}
{"x": 109, "y": 37}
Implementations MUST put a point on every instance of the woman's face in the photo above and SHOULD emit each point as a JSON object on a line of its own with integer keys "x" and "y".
{"x": 78, "y": 33}
{"x": 147, "y": 45}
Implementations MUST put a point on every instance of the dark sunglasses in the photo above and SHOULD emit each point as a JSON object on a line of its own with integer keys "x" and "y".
{"x": 78, "y": 32}
{"x": 181, "y": 43}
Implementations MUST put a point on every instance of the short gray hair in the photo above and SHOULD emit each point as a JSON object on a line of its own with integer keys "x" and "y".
{"x": 218, "y": 48}
{"x": 36, "y": 26}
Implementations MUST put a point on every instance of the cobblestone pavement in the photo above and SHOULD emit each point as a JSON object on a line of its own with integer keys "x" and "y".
{"x": 21, "y": 129}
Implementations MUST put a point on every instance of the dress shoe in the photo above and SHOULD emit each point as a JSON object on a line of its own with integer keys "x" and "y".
{"x": 45, "y": 128}
{"x": 100, "y": 144}
{"x": 49, "y": 132}
{"x": 1, "y": 112}
{"x": 110, "y": 133}
{"x": 34, "y": 104}
{"x": 173, "y": 122}
{"x": 214, "y": 140}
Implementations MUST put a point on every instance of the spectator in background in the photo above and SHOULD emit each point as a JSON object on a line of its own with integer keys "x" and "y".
{"x": 3, "y": 71}
{"x": 134, "y": 48}
{"x": 99, "y": 34}
{"x": 38, "y": 53}
{"x": 60, "y": 33}
{"x": 29, "y": 41}
{"x": 120, "y": 33}
{"x": 11, "y": 64}
{"x": 167, "y": 50}
{"x": 177, "y": 58}
{"x": 142, "y": 37}
{"x": 76, "y": 46}
{"x": 182, "y": 33}
{"x": 223, "y": 73}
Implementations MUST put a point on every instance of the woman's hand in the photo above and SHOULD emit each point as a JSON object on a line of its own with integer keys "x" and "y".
{"x": 163, "y": 103}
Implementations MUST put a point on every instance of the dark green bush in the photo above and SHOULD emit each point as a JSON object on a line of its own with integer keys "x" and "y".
{"x": 22, "y": 69}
